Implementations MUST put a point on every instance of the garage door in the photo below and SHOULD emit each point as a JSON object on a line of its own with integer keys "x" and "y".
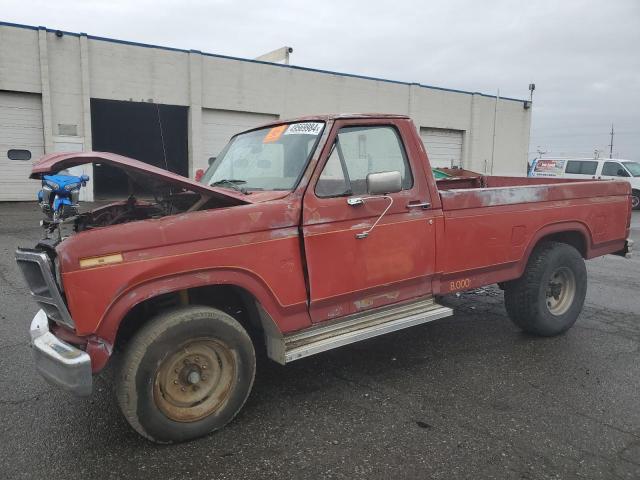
{"x": 21, "y": 143}
{"x": 444, "y": 146}
{"x": 218, "y": 126}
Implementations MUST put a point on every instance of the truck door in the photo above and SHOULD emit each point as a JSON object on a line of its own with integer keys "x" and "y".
{"x": 396, "y": 260}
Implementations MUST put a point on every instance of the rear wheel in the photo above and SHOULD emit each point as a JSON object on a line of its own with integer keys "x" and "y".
{"x": 549, "y": 296}
{"x": 185, "y": 374}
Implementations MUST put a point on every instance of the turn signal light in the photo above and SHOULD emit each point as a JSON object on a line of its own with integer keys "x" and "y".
{"x": 99, "y": 261}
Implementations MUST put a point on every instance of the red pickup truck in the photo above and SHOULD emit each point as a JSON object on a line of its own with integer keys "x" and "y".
{"x": 302, "y": 236}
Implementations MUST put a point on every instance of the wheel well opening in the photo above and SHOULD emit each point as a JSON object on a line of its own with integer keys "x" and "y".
{"x": 235, "y": 301}
{"x": 574, "y": 238}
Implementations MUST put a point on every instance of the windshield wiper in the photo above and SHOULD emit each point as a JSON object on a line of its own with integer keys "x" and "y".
{"x": 233, "y": 183}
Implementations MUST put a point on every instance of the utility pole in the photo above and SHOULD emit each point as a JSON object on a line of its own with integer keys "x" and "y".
{"x": 611, "y": 144}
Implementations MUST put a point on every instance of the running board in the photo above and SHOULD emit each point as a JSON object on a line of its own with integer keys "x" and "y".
{"x": 354, "y": 328}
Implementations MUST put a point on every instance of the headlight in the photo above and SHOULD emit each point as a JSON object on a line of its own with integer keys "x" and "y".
{"x": 71, "y": 186}
{"x": 52, "y": 185}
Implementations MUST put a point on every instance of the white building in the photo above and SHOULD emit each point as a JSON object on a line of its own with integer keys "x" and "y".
{"x": 63, "y": 91}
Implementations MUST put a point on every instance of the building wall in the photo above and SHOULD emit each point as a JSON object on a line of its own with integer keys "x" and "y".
{"x": 69, "y": 70}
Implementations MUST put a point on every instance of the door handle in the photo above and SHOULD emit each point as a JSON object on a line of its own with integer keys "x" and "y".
{"x": 423, "y": 205}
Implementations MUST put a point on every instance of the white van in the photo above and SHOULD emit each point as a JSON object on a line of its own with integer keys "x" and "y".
{"x": 593, "y": 169}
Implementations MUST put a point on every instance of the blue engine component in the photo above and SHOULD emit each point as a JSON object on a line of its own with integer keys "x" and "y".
{"x": 58, "y": 198}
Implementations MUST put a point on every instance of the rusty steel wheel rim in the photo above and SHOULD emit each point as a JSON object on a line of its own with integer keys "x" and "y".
{"x": 195, "y": 380}
{"x": 561, "y": 290}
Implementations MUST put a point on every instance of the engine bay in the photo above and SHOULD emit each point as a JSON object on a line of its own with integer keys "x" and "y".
{"x": 133, "y": 209}
{"x": 152, "y": 193}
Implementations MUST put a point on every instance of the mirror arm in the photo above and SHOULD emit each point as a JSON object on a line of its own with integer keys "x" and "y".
{"x": 356, "y": 201}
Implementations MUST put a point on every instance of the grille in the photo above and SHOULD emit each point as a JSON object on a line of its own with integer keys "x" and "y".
{"x": 38, "y": 273}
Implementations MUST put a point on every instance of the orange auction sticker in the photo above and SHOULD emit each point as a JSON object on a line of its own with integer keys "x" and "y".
{"x": 274, "y": 134}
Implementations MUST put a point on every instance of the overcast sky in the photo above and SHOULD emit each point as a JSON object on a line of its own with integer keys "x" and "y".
{"x": 584, "y": 56}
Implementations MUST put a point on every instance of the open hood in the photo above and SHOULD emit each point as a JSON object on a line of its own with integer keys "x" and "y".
{"x": 138, "y": 171}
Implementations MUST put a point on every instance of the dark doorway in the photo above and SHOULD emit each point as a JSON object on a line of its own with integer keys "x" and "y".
{"x": 132, "y": 129}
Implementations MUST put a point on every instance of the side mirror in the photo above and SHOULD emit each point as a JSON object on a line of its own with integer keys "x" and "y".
{"x": 622, "y": 173}
{"x": 199, "y": 174}
{"x": 211, "y": 160}
{"x": 384, "y": 182}
{"x": 380, "y": 184}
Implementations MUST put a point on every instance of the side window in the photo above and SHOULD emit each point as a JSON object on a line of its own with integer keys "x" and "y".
{"x": 357, "y": 152}
{"x": 581, "y": 167}
{"x": 573, "y": 166}
{"x": 614, "y": 169}
{"x": 589, "y": 168}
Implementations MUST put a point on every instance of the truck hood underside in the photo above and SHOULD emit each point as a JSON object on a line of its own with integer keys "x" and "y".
{"x": 140, "y": 172}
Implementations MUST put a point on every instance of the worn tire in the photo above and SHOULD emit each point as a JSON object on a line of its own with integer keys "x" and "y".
{"x": 144, "y": 391}
{"x": 635, "y": 199}
{"x": 527, "y": 299}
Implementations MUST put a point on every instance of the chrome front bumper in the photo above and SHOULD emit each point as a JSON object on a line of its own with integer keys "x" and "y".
{"x": 60, "y": 363}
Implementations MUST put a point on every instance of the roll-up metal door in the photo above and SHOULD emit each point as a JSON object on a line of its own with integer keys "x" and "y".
{"x": 218, "y": 126}
{"x": 444, "y": 146}
{"x": 20, "y": 132}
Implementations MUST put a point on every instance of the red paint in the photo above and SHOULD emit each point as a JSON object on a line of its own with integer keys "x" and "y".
{"x": 298, "y": 255}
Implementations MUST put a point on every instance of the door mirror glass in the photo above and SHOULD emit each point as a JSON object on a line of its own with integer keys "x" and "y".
{"x": 622, "y": 173}
{"x": 384, "y": 182}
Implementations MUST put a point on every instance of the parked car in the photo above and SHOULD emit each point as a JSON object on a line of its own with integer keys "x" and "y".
{"x": 302, "y": 236}
{"x": 591, "y": 168}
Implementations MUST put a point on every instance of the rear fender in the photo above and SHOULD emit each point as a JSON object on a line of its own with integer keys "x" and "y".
{"x": 554, "y": 230}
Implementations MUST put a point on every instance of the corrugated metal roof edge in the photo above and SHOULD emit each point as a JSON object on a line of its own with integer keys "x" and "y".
{"x": 228, "y": 57}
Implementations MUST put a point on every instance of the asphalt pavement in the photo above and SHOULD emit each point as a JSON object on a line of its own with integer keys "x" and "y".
{"x": 465, "y": 397}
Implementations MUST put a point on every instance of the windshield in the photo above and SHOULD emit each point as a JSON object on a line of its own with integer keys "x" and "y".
{"x": 271, "y": 158}
{"x": 633, "y": 167}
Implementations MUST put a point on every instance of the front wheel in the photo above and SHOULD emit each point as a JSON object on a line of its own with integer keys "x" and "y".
{"x": 635, "y": 199}
{"x": 549, "y": 296}
{"x": 185, "y": 374}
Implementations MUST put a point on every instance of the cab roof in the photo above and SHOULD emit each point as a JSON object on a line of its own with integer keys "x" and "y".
{"x": 333, "y": 116}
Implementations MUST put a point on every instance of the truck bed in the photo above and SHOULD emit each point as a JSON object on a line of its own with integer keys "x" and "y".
{"x": 489, "y": 191}
{"x": 491, "y": 223}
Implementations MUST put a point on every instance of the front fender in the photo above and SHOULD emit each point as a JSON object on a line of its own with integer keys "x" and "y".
{"x": 286, "y": 317}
